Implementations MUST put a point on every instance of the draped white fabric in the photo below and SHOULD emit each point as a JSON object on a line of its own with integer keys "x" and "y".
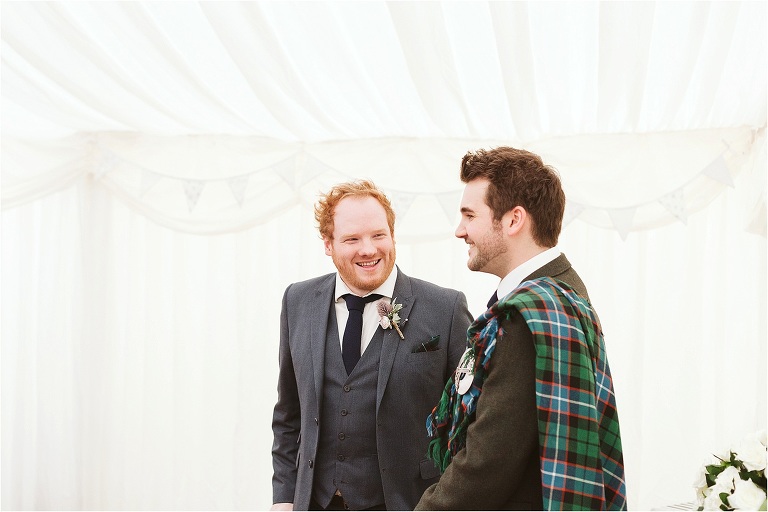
{"x": 159, "y": 165}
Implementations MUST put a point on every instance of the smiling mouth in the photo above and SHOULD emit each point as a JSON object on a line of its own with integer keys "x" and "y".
{"x": 368, "y": 264}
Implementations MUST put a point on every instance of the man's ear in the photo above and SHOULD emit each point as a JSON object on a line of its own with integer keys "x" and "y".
{"x": 515, "y": 220}
{"x": 328, "y": 243}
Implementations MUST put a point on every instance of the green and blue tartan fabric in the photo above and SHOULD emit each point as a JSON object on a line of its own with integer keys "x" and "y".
{"x": 582, "y": 466}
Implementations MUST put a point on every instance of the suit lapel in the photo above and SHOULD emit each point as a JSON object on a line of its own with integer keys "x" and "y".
{"x": 391, "y": 342}
{"x": 322, "y": 303}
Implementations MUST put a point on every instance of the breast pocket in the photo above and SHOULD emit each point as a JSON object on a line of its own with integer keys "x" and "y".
{"x": 426, "y": 358}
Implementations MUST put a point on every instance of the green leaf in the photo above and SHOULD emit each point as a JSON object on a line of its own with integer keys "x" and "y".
{"x": 716, "y": 469}
{"x": 724, "y": 499}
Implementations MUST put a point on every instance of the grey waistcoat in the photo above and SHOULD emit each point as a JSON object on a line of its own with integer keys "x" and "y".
{"x": 347, "y": 458}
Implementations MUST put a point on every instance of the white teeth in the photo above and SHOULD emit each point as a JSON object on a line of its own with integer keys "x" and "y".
{"x": 368, "y": 263}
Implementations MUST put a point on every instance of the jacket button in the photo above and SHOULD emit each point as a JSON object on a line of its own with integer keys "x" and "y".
{"x": 341, "y": 457}
{"x": 311, "y": 464}
{"x": 344, "y": 412}
{"x": 346, "y": 387}
{"x": 342, "y": 436}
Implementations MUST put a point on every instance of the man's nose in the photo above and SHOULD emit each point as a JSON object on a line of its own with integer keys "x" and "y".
{"x": 367, "y": 246}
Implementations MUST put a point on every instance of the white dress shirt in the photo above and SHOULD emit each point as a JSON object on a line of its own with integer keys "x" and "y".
{"x": 370, "y": 313}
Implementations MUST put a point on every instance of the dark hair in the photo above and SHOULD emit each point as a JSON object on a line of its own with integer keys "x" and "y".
{"x": 519, "y": 178}
{"x": 326, "y": 206}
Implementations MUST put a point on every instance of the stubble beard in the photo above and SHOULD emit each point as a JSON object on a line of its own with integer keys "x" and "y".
{"x": 488, "y": 248}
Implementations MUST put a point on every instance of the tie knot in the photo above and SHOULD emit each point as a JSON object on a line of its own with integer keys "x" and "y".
{"x": 494, "y": 299}
{"x": 357, "y": 303}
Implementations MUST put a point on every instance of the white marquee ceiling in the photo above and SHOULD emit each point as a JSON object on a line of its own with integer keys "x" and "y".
{"x": 213, "y": 116}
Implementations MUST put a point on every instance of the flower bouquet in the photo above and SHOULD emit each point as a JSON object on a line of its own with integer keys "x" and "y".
{"x": 735, "y": 479}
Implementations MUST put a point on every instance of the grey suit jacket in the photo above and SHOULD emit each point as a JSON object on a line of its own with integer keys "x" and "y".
{"x": 499, "y": 468}
{"x": 409, "y": 385}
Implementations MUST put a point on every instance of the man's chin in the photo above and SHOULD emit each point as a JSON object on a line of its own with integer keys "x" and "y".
{"x": 370, "y": 283}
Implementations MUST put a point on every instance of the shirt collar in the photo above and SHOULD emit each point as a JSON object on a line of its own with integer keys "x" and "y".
{"x": 514, "y": 278}
{"x": 386, "y": 289}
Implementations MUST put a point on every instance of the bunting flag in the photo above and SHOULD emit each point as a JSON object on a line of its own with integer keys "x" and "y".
{"x": 572, "y": 210}
{"x": 148, "y": 180}
{"x": 449, "y": 202}
{"x": 674, "y": 202}
{"x": 312, "y": 168}
{"x": 301, "y": 168}
{"x": 287, "y": 171}
{"x": 622, "y": 220}
{"x": 718, "y": 170}
{"x": 401, "y": 201}
{"x": 192, "y": 189}
{"x": 238, "y": 185}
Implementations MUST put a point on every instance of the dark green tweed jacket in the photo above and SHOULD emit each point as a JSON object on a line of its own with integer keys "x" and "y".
{"x": 499, "y": 467}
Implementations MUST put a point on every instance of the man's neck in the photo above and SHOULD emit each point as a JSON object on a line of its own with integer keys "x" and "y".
{"x": 521, "y": 254}
{"x": 516, "y": 276}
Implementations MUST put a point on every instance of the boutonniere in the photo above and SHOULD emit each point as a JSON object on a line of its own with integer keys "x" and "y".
{"x": 389, "y": 315}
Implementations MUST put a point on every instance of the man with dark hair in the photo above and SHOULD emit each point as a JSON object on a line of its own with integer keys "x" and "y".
{"x": 528, "y": 421}
{"x": 364, "y": 353}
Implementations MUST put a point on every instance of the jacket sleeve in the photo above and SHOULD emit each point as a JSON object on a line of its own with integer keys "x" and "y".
{"x": 502, "y": 442}
{"x": 286, "y": 419}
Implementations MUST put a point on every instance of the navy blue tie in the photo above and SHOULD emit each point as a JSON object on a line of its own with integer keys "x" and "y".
{"x": 350, "y": 345}
{"x": 494, "y": 300}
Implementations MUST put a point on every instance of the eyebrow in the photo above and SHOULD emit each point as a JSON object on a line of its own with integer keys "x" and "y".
{"x": 466, "y": 209}
{"x": 384, "y": 231}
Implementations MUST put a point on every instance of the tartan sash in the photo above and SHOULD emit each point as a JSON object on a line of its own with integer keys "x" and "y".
{"x": 582, "y": 465}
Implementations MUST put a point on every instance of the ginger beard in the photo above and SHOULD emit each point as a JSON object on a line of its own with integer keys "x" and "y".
{"x": 362, "y": 279}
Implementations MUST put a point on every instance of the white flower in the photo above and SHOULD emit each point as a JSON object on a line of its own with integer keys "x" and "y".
{"x": 700, "y": 499}
{"x": 700, "y": 484}
{"x": 712, "y": 499}
{"x": 701, "y": 477}
{"x": 727, "y": 477}
{"x": 752, "y": 452}
{"x": 736, "y": 476}
{"x": 723, "y": 454}
{"x": 747, "y": 496}
{"x": 384, "y": 322}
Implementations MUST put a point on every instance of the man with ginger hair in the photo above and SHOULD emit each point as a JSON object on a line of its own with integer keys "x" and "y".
{"x": 364, "y": 354}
